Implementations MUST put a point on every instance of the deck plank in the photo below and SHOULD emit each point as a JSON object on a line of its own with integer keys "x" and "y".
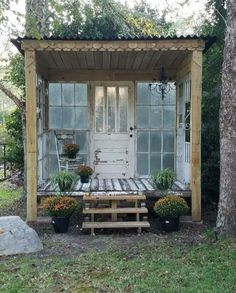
{"x": 94, "y": 184}
{"x": 86, "y": 187}
{"x": 140, "y": 185}
{"x": 101, "y": 185}
{"x": 78, "y": 185}
{"x": 147, "y": 184}
{"x": 124, "y": 184}
{"x": 116, "y": 184}
{"x": 132, "y": 184}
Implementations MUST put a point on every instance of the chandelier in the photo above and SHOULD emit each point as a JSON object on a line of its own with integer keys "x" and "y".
{"x": 162, "y": 87}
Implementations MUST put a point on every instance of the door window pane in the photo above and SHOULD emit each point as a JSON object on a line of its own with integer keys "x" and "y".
{"x": 68, "y": 94}
{"x": 143, "y": 94}
{"x": 54, "y": 94}
{"x": 155, "y": 142}
{"x": 111, "y": 109}
{"x": 123, "y": 108}
{"x": 99, "y": 109}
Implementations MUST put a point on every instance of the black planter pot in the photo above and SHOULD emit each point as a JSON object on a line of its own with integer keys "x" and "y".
{"x": 170, "y": 224}
{"x": 60, "y": 224}
{"x": 72, "y": 156}
{"x": 84, "y": 179}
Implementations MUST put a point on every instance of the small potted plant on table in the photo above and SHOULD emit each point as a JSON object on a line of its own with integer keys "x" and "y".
{"x": 64, "y": 179}
{"x": 169, "y": 209}
{"x": 163, "y": 180}
{"x": 71, "y": 150}
{"x": 84, "y": 172}
{"x": 60, "y": 208}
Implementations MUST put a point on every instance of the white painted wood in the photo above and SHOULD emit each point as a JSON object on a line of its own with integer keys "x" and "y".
{"x": 112, "y": 154}
{"x": 78, "y": 185}
{"x": 101, "y": 184}
{"x": 86, "y": 187}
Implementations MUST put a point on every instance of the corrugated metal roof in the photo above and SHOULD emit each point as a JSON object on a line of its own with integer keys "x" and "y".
{"x": 209, "y": 40}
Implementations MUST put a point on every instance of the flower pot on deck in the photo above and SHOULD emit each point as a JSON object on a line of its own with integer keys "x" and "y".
{"x": 84, "y": 179}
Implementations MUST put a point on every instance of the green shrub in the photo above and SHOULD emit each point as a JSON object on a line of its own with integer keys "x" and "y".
{"x": 64, "y": 179}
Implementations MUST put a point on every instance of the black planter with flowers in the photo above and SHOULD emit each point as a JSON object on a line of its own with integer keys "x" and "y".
{"x": 71, "y": 150}
{"x": 84, "y": 172}
{"x": 169, "y": 208}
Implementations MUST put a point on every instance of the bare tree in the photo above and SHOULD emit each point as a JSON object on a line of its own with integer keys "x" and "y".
{"x": 226, "y": 220}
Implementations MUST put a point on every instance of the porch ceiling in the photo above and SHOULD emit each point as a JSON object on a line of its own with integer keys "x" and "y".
{"x": 133, "y": 60}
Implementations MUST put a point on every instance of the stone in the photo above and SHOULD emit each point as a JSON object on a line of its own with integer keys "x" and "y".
{"x": 16, "y": 237}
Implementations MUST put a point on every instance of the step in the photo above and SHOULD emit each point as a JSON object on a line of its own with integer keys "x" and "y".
{"x": 129, "y": 224}
{"x": 116, "y": 211}
{"x": 113, "y": 197}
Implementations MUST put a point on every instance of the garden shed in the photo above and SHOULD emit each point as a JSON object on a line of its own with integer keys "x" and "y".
{"x": 133, "y": 105}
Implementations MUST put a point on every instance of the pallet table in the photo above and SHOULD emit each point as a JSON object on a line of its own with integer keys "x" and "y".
{"x": 91, "y": 207}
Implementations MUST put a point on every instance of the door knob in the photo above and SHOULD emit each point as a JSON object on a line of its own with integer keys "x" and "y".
{"x": 131, "y": 128}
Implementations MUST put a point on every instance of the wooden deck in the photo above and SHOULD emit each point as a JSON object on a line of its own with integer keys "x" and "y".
{"x": 118, "y": 186}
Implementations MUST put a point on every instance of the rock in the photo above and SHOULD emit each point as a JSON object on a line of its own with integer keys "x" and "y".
{"x": 16, "y": 237}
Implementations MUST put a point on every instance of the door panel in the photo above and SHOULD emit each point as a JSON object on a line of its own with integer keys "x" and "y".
{"x": 113, "y": 142}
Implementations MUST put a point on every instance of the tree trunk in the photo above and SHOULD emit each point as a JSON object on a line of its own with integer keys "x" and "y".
{"x": 226, "y": 220}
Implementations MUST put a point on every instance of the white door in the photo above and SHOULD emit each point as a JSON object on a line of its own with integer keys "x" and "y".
{"x": 112, "y": 137}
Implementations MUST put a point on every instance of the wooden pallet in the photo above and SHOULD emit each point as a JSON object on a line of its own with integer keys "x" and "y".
{"x": 91, "y": 207}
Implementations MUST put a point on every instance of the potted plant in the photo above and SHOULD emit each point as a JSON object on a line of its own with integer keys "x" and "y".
{"x": 164, "y": 179}
{"x": 60, "y": 208}
{"x": 71, "y": 150}
{"x": 169, "y": 208}
{"x": 84, "y": 172}
{"x": 64, "y": 179}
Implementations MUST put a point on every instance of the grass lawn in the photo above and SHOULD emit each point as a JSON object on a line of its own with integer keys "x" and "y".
{"x": 158, "y": 267}
{"x": 8, "y": 196}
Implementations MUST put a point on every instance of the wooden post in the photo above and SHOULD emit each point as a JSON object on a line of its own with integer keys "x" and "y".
{"x": 195, "y": 136}
{"x": 31, "y": 135}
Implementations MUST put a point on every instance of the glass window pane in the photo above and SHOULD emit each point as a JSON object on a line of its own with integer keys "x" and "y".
{"x": 168, "y": 142}
{"x": 142, "y": 116}
{"x": 143, "y": 94}
{"x": 82, "y": 140}
{"x": 68, "y": 94}
{"x": 99, "y": 108}
{"x": 155, "y": 141}
{"x": 123, "y": 108}
{"x": 155, "y": 117}
{"x": 54, "y": 94}
{"x": 142, "y": 164}
{"x": 111, "y": 109}
{"x": 68, "y": 117}
{"x": 52, "y": 164}
{"x": 155, "y": 163}
{"x": 168, "y": 161}
{"x": 170, "y": 98}
{"x": 55, "y": 118}
{"x": 81, "y": 95}
{"x": 169, "y": 119}
{"x": 142, "y": 142}
{"x": 81, "y": 117}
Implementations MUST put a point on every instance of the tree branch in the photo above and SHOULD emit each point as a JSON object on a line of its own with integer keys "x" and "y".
{"x": 14, "y": 98}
